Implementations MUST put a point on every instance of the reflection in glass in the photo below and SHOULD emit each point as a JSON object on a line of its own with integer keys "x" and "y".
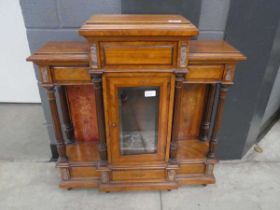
{"x": 138, "y": 107}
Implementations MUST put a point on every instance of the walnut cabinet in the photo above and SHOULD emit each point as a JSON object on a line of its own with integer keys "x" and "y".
{"x": 141, "y": 103}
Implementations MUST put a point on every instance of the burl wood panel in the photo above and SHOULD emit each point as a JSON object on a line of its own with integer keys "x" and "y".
{"x": 191, "y": 111}
{"x": 133, "y": 53}
{"x": 83, "y": 112}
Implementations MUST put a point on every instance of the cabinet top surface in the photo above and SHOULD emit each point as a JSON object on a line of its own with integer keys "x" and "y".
{"x": 138, "y": 25}
{"x": 138, "y": 19}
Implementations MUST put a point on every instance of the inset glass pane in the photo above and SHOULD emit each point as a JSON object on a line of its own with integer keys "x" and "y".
{"x": 139, "y": 108}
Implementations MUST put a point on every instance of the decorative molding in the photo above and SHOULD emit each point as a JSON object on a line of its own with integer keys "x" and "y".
{"x": 209, "y": 169}
{"x": 229, "y": 72}
{"x": 104, "y": 177}
{"x": 171, "y": 175}
{"x": 45, "y": 74}
{"x": 65, "y": 174}
{"x": 93, "y": 56}
{"x": 183, "y": 55}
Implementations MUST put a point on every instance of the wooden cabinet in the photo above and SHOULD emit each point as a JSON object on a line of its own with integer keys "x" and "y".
{"x": 141, "y": 104}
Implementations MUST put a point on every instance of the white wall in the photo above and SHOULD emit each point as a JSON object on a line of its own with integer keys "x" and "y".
{"x": 17, "y": 77}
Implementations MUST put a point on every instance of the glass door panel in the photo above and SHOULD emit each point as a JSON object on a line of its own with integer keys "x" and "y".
{"x": 139, "y": 118}
{"x": 137, "y": 111}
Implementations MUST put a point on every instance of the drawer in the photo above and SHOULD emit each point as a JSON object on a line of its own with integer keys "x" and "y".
{"x": 138, "y": 175}
{"x": 138, "y": 53}
{"x": 191, "y": 168}
{"x": 78, "y": 172}
{"x": 70, "y": 74}
{"x": 205, "y": 73}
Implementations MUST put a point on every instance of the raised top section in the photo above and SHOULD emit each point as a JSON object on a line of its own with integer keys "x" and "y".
{"x": 138, "y": 25}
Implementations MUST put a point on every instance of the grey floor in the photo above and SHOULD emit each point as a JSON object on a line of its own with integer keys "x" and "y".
{"x": 28, "y": 181}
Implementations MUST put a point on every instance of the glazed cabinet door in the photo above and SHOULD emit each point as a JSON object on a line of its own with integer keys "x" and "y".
{"x": 138, "y": 116}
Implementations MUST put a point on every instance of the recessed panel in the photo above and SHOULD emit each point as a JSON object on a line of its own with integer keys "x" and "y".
{"x": 191, "y": 111}
{"x": 82, "y": 105}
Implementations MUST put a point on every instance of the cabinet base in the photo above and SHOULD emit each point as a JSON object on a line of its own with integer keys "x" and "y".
{"x": 125, "y": 186}
{"x": 132, "y": 186}
{"x": 81, "y": 183}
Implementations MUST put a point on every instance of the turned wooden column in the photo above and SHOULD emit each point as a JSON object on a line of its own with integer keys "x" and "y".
{"x": 97, "y": 86}
{"x": 205, "y": 125}
{"x": 213, "y": 140}
{"x": 68, "y": 127}
{"x": 179, "y": 85}
{"x": 56, "y": 125}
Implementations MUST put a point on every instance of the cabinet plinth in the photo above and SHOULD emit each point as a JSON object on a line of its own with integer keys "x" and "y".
{"x": 137, "y": 102}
